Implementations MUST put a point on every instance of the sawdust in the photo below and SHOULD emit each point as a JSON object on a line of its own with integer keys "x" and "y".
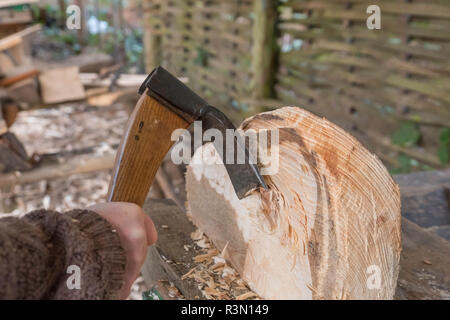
{"x": 215, "y": 278}
{"x": 64, "y": 129}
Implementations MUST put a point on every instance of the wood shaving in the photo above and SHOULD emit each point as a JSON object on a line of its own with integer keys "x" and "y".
{"x": 215, "y": 278}
{"x": 246, "y": 296}
{"x": 426, "y": 261}
{"x": 196, "y": 235}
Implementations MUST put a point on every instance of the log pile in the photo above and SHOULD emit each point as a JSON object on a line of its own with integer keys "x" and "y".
{"x": 329, "y": 226}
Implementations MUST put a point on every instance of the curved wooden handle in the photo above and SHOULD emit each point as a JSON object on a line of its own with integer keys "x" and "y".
{"x": 144, "y": 145}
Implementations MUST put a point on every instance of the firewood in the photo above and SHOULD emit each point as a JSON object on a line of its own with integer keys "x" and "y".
{"x": 108, "y": 98}
{"x": 329, "y": 226}
{"x": 16, "y": 38}
{"x": 75, "y": 165}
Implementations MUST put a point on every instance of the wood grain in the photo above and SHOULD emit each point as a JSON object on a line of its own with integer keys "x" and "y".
{"x": 146, "y": 141}
{"x": 424, "y": 265}
{"x": 332, "y": 213}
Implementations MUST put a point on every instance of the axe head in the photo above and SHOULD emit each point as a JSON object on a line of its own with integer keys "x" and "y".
{"x": 166, "y": 104}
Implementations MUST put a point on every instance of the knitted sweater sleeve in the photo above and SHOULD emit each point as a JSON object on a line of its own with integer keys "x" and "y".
{"x": 48, "y": 255}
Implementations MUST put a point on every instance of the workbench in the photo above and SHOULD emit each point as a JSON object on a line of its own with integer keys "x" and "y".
{"x": 425, "y": 258}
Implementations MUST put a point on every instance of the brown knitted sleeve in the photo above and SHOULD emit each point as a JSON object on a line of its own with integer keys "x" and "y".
{"x": 41, "y": 253}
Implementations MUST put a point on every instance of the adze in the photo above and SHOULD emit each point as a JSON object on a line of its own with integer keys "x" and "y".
{"x": 166, "y": 104}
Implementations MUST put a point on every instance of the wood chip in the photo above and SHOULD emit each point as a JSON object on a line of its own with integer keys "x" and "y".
{"x": 211, "y": 283}
{"x": 246, "y": 296}
{"x": 212, "y": 292}
{"x": 202, "y": 257}
{"x": 427, "y": 262}
{"x": 203, "y": 244}
{"x": 197, "y": 235}
{"x": 218, "y": 266}
{"x": 188, "y": 274}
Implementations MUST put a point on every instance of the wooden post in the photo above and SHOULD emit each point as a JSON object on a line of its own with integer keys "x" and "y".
{"x": 264, "y": 49}
{"x": 63, "y": 16}
{"x": 83, "y": 32}
{"x": 152, "y": 40}
{"x": 97, "y": 15}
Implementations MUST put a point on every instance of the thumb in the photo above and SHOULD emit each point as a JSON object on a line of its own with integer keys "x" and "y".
{"x": 152, "y": 234}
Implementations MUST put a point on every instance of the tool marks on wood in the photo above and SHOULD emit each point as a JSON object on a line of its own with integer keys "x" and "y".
{"x": 335, "y": 207}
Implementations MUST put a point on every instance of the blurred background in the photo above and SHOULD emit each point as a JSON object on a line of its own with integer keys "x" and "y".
{"x": 388, "y": 87}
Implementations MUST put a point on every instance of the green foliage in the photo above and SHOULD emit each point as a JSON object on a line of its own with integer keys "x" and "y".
{"x": 20, "y": 7}
{"x": 134, "y": 47}
{"x": 202, "y": 57}
{"x": 151, "y": 295}
{"x": 66, "y": 41}
{"x": 51, "y": 13}
{"x": 444, "y": 146}
{"x": 387, "y": 109}
{"x": 407, "y": 135}
{"x": 35, "y": 10}
{"x": 407, "y": 164}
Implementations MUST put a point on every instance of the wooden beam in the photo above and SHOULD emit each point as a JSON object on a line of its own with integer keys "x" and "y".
{"x": 124, "y": 80}
{"x": 74, "y": 165}
{"x": 106, "y": 99}
{"x": 16, "y": 38}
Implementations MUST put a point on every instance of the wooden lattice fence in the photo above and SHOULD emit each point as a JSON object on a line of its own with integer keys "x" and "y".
{"x": 208, "y": 41}
{"x": 390, "y": 87}
{"x": 377, "y": 84}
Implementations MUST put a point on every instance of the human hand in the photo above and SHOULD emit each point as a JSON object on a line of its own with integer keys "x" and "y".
{"x": 136, "y": 231}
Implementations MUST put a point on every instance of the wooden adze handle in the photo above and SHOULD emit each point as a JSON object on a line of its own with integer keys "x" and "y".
{"x": 144, "y": 145}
